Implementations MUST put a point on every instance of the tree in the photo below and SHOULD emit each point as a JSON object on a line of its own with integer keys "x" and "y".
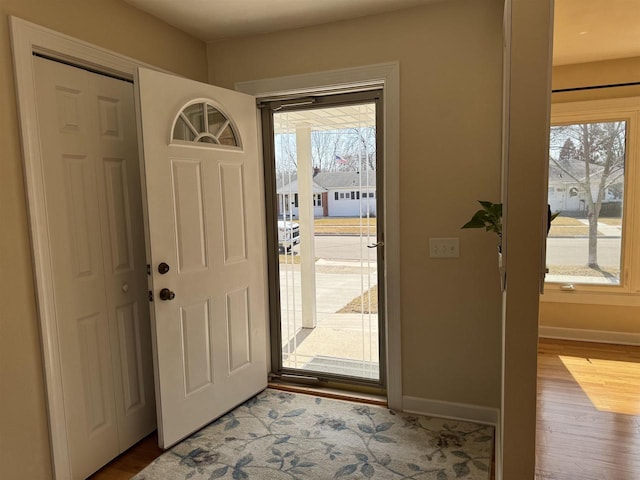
{"x": 361, "y": 147}
{"x": 350, "y": 149}
{"x": 593, "y": 155}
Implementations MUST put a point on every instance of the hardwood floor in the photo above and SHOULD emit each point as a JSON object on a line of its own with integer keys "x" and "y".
{"x": 588, "y": 416}
{"x": 130, "y": 462}
{"x": 588, "y": 411}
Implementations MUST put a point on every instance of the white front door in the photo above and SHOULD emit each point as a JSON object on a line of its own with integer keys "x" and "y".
{"x": 207, "y": 249}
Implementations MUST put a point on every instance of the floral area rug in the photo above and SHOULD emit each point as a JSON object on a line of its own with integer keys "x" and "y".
{"x": 278, "y": 435}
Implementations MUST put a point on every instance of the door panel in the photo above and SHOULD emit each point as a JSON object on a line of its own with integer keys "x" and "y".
{"x": 210, "y": 351}
{"x": 232, "y": 192}
{"x": 188, "y": 209}
{"x": 131, "y": 357}
{"x": 118, "y": 208}
{"x": 196, "y": 346}
{"x": 238, "y": 328}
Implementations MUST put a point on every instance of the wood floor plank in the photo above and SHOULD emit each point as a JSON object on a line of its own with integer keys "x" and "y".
{"x": 588, "y": 425}
{"x": 132, "y": 461}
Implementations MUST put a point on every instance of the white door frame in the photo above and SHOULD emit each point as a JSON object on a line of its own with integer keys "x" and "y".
{"x": 28, "y": 38}
{"x": 387, "y": 76}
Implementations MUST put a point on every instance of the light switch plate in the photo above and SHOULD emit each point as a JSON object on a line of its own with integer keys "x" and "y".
{"x": 444, "y": 247}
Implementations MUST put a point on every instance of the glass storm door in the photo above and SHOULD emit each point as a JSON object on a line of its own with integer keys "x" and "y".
{"x": 326, "y": 237}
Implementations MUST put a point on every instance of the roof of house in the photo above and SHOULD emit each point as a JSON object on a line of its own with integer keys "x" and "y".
{"x": 572, "y": 169}
{"x": 292, "y": 187}
{"x": 324, "y": 181}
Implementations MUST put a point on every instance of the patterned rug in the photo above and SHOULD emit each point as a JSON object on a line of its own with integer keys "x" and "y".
{"x": 278, "y": 435}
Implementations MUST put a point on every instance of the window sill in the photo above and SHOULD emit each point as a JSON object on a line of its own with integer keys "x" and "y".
{"x": 623, "y": 299}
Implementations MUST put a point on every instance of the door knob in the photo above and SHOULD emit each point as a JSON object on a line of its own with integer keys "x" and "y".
{"x": 376, "y": 245}
{"x": 163, "y": 268}
{"x": 166, "y": 294}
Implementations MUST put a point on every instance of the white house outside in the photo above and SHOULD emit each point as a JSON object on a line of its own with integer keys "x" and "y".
{"x": 569, "y": 196}
{"x": 335, "y": 194}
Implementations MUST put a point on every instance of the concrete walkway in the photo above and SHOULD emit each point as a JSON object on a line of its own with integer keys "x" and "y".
{"x": 604, "y": 229}
{"x": 345, "y": 343}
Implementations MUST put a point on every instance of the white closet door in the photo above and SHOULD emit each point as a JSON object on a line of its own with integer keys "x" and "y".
{"x": 94, "y": 217}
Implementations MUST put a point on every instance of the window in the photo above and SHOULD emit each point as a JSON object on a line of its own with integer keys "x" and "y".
{"x": 593, "y": 178}
{"x": 203, "y": 123}
{"x": 341, "y": 195}
{"x": 317, "y": 200}
{"x": 336, "y": 195}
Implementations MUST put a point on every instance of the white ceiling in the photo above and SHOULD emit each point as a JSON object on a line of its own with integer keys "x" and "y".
{"x": 592, "y": 30}
{"x": 585, "y": 30}
{"x": 211, "y": 20}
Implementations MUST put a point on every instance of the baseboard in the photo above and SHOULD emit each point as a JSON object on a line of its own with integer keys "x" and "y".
{"x": 582, "y": 335}
{"x": 497, "y": 451}
{"x": 456, "y": 411}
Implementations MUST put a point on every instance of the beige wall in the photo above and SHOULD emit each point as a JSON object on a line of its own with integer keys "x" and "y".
{"x": 450, "y": 131}
{"x": 624, "y": 70}
{"x": 24, "y": 445}
{"x": 594, "y": 317}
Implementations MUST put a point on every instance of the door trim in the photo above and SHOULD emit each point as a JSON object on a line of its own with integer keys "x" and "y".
{"x": 387, "y": 76}
{"x": 26, "y": 39}
{"x": 322, "y": 101}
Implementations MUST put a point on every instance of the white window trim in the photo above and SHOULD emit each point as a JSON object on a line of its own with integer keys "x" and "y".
{"x": 628, "y": 292}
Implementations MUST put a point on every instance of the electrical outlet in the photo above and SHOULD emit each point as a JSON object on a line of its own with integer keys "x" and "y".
{"x": 444, "y": 247}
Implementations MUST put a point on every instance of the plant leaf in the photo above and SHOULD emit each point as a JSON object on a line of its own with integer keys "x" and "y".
{"x": 461, "y": 469}
{"x": 367, "y": 470}
{"x": 384, "y": 439}
{"x": 346, "y": 470}
{"x": 384, "y": 426}
{"x": 233, "y": 423}
{"x": 295, "y": 413}
{"x": 362, "y": 457}
{"x": 365, "y": 428}
{"x": 218, "y": 473}
{"x": 246, "y": 460}
{"x": 461, "y": 454}
{"x": 284, "y": 439}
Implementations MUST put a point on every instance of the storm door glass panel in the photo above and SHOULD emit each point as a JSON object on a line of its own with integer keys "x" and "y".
{"x": 328, "y": 280}
{"x": 586, "y": 187}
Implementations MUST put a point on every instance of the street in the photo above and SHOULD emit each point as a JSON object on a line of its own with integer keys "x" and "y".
{"x": 342, "y": 247}
{"x": 560, "y": 250}
{"x": 574, "y": 251}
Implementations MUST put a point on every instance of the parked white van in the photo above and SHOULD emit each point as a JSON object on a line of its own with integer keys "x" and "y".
{"x": 288, "y": 235}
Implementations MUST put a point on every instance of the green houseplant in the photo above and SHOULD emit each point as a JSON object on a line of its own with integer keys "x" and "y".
{"x": 488, "y": 217}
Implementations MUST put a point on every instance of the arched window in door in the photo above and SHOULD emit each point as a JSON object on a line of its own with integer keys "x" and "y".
{"x": 201, "y": 122}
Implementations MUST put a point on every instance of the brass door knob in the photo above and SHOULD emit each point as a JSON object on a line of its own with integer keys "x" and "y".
{"x": 166, "y": 294}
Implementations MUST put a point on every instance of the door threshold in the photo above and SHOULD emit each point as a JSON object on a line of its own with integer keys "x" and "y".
{"x": 333, "y": 393}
